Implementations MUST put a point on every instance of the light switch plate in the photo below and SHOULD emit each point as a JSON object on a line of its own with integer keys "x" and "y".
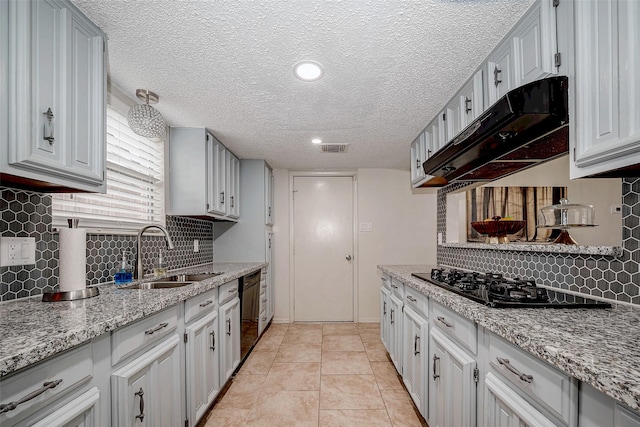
{"x": 17, "y": 251}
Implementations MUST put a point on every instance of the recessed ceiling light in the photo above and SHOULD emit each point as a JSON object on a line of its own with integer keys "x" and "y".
{"x": 316, "y": 141}
{"x": 308, "y": 71}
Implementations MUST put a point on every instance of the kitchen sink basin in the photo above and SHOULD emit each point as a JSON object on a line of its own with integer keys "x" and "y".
{"x": 171, "y": 282}
{"x": 163, "y": 284}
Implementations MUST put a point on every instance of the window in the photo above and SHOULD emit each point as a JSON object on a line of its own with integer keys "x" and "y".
{"x": 135, "y": 184}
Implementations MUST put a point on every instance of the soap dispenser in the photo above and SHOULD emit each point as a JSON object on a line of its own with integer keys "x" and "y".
{"x": 159, "y": 268}
{"x": 125, "y": 272}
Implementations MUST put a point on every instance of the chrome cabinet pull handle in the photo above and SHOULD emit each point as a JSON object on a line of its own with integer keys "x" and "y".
{"x": 412, "y": 299}
{"x": 222, "y": 198}
{"x": 48, "y": 127}
{"x": 444, "y": 322}
{"x": 232, "y": 204}
{"x": 496, "y": 80}
{"x": 229, "y": 327}
{"x": 418, "y": 164}
{"x": 208, "y": 302}
{"x": 156, "y": 329}
{"x": 348, "y": 257}
{"x": 467, "y": 105}
{"x": 213, "y": 340}
{"x": 13, "y": 405}
{"x": 435, "y": 359}
{"x": 392, "y": 316}
{"x": 384, "y": 308}
{"x": 523, "y": 377}
{"x": 140, "y": 394}
{"x": 394, "y": 286}
{"x": 416, "y": 339}
{"x": 232, "y": 291}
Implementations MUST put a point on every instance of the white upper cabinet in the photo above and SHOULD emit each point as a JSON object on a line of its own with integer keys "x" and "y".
{"x": 526, "y": 54}
{"x": 204, "y": 176}
{"x": 418, "y": 150}
{"x": 606, "y": 121}
{"x": 471, "y": 100}
{"x": 55, "y": 101}
{"x": 268, "y": 195}
{"x": 232, "y": 165}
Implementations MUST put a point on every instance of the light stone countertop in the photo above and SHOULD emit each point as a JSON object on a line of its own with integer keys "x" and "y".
{"x": 598, "y": 346}
{"x": 33, "y": 330}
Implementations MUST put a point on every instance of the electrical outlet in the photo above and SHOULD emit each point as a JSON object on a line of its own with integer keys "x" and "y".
{"x": 196, "y": 245}
{"x": 366, "y": 226}
{"x": 17, "y": 251}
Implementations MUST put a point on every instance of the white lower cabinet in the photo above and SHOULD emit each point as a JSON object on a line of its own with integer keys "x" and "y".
{"x": 82, "y": 411}
{"x": 598, "y": 410}
{"x": 395, "y": 331}
{"x": 385, "y": 294}
{"x": 229, "y": 333}
{"x": 452, "y": 384}
{"x": 202, "y": 365}
{"x": 147, "y": 390}
{"x": 503, "y": 407}
{"x": 415, "y": 350}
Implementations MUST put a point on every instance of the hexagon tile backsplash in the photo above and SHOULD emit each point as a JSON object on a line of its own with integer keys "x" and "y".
{"x": 28, "y": 214}
{"x": 614, "y": 278}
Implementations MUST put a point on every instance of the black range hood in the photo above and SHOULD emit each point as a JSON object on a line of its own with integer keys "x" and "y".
{"x": 527, "y": 126}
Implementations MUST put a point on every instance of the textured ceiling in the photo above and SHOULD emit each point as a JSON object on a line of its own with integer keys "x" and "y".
{"x": 389, "y": 66}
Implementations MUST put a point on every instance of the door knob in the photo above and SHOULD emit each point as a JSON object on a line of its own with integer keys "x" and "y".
{"x": 348, "y": 257}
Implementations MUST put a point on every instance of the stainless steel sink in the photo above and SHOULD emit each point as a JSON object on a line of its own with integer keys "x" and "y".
{"x": 170, "y": 282}
{"x": 164, "y": 284}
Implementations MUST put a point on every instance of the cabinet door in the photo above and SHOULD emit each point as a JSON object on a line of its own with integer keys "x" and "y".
{"x": 503, "y": 407}
{"x": 229, "y": 339}
{"x": 452, "y": 385}
{"x": 500, "y": 73}
{"x": 202, "y": 363}
{"x": 395, "y": 331}
{"x": 453, "y": 117}
{"x": 86, "y": 82}
{"x": 385, "y": 294}
{"x": 147, "y": 391}
{"x": 57, "y": 70}
{"x": 215, "y": 176}
{"x": 414, "y": 362}
{"x": 534, "y": 44}
{"x": 607, "y": 94}
{"x": 418, "y": 152}
{"x": 80, "y": 412}
{"x": 269, "y": 279}
{"x": 471, "y": 100}
{"x": 268, "y": 195}
{"x": 232, "y": 165}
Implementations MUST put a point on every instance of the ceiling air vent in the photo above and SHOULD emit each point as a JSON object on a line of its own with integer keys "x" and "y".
{"x": 334, "y": 148}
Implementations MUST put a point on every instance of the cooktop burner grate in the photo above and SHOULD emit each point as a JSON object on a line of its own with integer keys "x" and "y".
{"x": 494, "y": 290}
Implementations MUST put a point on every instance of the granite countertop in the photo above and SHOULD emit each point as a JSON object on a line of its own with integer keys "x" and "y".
{"x": 600, "y": 347}
{"x": 33, "y": 330}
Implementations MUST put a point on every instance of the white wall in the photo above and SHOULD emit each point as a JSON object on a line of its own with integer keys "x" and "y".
{"x": 404, "y": 232}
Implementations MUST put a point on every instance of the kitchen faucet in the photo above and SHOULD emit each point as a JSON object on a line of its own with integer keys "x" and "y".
{"x": 139, "y": 273}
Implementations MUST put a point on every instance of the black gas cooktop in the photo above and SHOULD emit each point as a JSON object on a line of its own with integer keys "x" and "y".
{"x": 493, "y": 290}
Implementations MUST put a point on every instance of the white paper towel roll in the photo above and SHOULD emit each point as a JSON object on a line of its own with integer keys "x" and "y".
{"x": 73, "y": 259}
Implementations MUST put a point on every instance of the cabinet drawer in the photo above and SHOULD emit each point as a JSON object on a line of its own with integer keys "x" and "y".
{"x": 456, "y": 326}
{"x": 397, "y": 288}
{"x": 199, "y": 305}
{"x": 228, "y": 291}
{"x": 416, "y": 300}
{"x": 54, "y": 378}
{"x": 126, "y": 341}
{"x": 554, "y": 389}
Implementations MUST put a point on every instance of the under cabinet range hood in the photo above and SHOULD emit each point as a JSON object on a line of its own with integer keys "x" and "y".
{"x": 527, "y": 126}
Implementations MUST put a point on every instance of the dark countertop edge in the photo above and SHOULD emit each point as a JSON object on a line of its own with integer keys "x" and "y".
{"x": 559, "y": 359}
{"x": 72, "y": 338}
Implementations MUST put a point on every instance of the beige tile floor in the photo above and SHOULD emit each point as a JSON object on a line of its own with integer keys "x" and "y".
{"x": 331, "y": 374}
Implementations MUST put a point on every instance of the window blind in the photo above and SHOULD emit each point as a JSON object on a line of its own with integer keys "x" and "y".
{"x": 135, "y": 184}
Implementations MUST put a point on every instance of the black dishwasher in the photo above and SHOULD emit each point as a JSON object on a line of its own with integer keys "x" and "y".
{"x": 249, "y": 311}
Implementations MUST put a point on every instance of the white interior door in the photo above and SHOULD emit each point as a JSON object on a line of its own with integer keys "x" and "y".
{"x": 323, "y": 248}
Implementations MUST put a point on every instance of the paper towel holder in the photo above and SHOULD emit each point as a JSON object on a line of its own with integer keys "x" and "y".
{"x": 70, "y": 295}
